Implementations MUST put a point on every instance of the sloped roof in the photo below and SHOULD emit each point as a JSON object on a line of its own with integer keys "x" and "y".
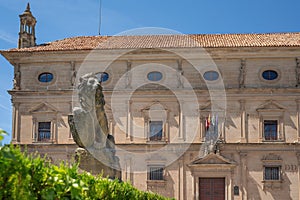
{"x": 169, "y": 41}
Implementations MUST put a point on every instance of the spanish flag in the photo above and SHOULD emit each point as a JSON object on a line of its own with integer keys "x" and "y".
{"x": 207, "y": 122}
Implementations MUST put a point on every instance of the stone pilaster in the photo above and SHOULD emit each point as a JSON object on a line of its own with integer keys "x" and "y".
{"x": 181, "y": 120}
{"x": 298, "y": 162}
{"x": 244, "y": 175}
{"x": 15, "y": 123}
{"x": 298, "y": 119}
{"x": 243, "y": 122}
{"x": 242, "y": 76}
{"x": 129, "y": 120}
{"x": 128, "y": 78}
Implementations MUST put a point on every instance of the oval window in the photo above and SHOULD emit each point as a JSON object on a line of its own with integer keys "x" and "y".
{"x": 211, "y": 75}
{"x": 154, "y": 76}
{"x": 45, "y": 77}
{"x": 270, "y": 75}
{"x": 102, "y": 76}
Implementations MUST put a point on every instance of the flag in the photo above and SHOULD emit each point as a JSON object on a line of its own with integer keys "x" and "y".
{"x": 213, "y": 120}
{"x": 207, "y": 122}
{"x": 217, "y": 125}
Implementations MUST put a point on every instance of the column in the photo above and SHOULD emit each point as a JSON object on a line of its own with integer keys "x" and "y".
{"x": 230, "y": 185}
{"x": 128, "y": 131}
{"x": 15, "y": 122}
{"x": 71, "y": 113}
{"x": 181, "y": 120}
{"x": 167, "y": 127}
{"x": 281, "y": 131}
{"x": 243, "y": 121}
{"x": 180, "y": 179}
{"x": 34, "y": 136}
{"x": 244, "y": 175}
{"x": 201, "y": 136}
{"x": 56, "y": 130}
{"x": 261, "y": 121}
{"x": 196, "y": 187}
{"x": 223, "y": 133}
{"x": 52, "y": 131}
{"x": 112, "y": 127}
{"x": 298, "y": 118}
{"x": 298, "y": 159}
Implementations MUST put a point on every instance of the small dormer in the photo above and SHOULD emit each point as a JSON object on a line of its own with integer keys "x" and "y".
{"x": 27, "y": 29}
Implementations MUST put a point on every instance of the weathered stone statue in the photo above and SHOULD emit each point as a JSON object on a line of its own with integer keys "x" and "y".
{"x": 242, "y": 74}
{"x": 90, "y": 131}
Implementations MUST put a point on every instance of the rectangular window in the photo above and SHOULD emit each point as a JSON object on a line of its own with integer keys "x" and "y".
{"x": 270, "y": 130}
{"x": 156, "y": 173}
{"x": 44, "y": 131}
{"x": 272, "y": 173}
{"x": 156, "y": 130}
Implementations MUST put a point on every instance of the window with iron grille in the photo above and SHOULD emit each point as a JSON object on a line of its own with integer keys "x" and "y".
{"x": 156, "y": 173}
{"x": 156, "y": 130}
{"x": 271, "y": 173}
{"x": 270, "y": 130}
{"x": 44, "y": 131}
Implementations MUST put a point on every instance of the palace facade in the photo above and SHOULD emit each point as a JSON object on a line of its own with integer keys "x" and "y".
{"x": 214, "y": 116}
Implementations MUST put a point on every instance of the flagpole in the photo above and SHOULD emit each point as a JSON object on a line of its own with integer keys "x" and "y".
{"x": 100, "y": 17}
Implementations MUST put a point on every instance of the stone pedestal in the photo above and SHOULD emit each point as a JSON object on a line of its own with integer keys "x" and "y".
{"x": 92, "y": 164}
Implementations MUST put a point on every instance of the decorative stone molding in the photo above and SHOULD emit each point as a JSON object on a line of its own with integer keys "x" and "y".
{"x": 17, "y": 78}
{"x": 156, "y": 111}
{"x": 273, "y": 68}
{"x": 297, "y": 70}
{"x": 298, "y": 157}
{"x": 271, "y": 157}
{"x": 180, "y": 78}
{"x": 212, "y": 160}
{"x": 128, "y": 74}
{"x": 242, "y": 75}
{"x": 271, "y": 110}
{"x": 73, "y": 73}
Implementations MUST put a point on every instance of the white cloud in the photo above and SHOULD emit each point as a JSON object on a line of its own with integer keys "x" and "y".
{"x": 8, "y": 37}
{"x": 4, "y": 107}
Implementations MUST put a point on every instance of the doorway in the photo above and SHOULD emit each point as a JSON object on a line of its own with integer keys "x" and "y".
{"x": 212, "y": 188}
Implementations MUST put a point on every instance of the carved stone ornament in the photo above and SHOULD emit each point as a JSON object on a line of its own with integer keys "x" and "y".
{"x": 271, "y": 157}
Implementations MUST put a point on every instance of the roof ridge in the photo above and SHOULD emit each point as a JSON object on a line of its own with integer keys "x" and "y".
{"x": 283, "y": 39}
{"x": 192, "y": 34}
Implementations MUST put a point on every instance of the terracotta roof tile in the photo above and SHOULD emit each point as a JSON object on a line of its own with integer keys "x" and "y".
{"x": 169, "y": 41}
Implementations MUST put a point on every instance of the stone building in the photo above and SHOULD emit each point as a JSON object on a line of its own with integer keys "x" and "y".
{"x": 213, "y": 116}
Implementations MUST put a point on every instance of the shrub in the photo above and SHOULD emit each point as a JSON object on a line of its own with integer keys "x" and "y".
{"x": 25, "y": 176}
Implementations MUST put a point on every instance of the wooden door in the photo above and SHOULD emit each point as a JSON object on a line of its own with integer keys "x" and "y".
{"x": 212, "y": 188}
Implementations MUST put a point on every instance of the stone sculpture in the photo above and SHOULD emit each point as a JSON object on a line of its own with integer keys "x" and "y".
{"x": 89, "y": 128}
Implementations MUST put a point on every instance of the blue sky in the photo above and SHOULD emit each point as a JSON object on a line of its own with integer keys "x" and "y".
{"x": 58, "y": 19}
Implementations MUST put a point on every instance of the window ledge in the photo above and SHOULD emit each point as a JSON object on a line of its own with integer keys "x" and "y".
{"x": 273, "y": 141}
{"x": 43, "y": 143}
{"x": 272, "y": 184}
{"x": 156, "y": 142}
{"x": 272, "y": 181}
{"x": 156, "y": 183}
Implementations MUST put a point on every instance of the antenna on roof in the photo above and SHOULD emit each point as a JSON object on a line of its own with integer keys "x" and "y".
{"x": 100, "y": 16}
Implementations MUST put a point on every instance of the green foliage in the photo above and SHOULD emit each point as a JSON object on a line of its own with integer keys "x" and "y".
{"x": 25, "y": 176}
{"x": 2, "y": 134}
